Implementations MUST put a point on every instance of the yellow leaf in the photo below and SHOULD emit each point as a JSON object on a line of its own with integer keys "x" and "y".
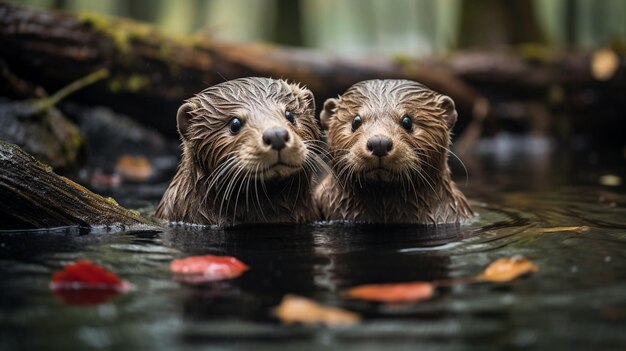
{"x": 507, "y": 269}
{"x": 297, "y": 309}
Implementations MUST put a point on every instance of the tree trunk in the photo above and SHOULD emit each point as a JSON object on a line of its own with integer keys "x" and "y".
{"x": 492, "y": 24}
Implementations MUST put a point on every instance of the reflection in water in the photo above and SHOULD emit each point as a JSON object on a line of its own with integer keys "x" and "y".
{"x": 577, "y": 299}
{"x": 359, "y": 254}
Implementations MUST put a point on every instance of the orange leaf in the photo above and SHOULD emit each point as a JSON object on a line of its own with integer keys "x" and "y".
{"x": 402, "y": 292}
{"x": 506, "y": 269}
{"x": 297, "y": 309}
{"x": 201, "y": 269}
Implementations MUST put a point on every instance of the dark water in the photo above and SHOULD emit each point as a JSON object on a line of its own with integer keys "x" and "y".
{"x": 577, "y": 300}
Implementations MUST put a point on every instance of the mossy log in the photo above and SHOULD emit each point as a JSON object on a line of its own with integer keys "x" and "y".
{"x": 34, "y": 197}
{"x": 152, "y": 72}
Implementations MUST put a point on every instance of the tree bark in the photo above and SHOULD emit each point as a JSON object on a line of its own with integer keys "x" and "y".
{"x": 33, "y": 197}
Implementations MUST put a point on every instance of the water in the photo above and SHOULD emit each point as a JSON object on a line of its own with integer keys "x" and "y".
{"x": 577, "y": 300}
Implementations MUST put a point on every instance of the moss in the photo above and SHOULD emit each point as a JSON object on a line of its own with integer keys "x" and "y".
{"x": 124, "y": 33}
{"x": 108, "y": 27}
{"x": 618, "y": 45}
{"x": 536, "y": 52}
{"x": 133, "y": 83}
{"x": 112, "y": 201}
{"x": 406, "y": 63}
{"x": 166, "y": 52}
{"x": 401, "y": 59}
{"x": 137, "y": 82}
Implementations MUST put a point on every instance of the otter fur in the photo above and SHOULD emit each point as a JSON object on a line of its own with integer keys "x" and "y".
{"x": 389, "y": 142}
{"x": 250, "y": 148}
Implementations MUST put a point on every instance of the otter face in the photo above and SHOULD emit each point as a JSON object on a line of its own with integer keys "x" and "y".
{"x": 250, "y": 128}
{"x": 388, "y": 131}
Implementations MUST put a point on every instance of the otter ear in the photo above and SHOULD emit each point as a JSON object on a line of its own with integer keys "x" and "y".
{"x": 308, "y": 99}
{"x": 182, "y": 118}
{"x": 447, "y": 105}
{"x": 328, "y": 112}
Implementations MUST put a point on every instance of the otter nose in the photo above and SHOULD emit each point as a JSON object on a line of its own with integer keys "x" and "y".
{"x": 379, "y": 145}
{"x": 276, "y": 137}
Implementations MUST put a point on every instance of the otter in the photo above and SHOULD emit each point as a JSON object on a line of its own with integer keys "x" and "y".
{"x": 250, "y": 152}
{"x": 388, "y": 142}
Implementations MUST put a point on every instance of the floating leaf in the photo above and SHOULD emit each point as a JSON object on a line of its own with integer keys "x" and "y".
{"x": 610, "y": 180}
{"x": 297, "y": 309}
{"x": 507, "y": 269}
{"x": 579, "y": 229}
{"x": 202, "y": 269}
{"x": 134, "y": 168}
{"x": 390, "y": 293}
{"x": 86, "y": 283}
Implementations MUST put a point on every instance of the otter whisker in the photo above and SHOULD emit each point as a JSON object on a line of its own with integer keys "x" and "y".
{"x": 217, "y": 175}
{"x": 228, "y": 190}
{"x": 247, "y": 192}
{"x": 318, "y": 165}
{"x": 256, "y": 192}
{"x": 218, "y": 172}
{"x": 219, "y": 181}
{"x": 421, "y": 175}
{"x": 241, "y": 184}
{"x": 459, "y": 159}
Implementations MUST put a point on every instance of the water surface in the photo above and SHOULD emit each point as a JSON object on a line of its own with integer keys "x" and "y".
{"x": 577, "y": 300}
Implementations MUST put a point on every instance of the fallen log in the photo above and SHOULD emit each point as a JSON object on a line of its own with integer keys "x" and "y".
{"x": 33, "y": 197}
{"x": 152, "y": 72}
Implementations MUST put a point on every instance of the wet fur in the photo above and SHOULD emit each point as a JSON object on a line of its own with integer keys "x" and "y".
{"x": 226, "y": 179}
{"x": 414, "y": 184}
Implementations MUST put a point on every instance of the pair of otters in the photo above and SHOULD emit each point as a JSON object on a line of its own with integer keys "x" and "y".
{"x": 252, "y": 151}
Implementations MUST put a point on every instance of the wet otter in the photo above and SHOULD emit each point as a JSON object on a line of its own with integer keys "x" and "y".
{"x": 388, "y": 141}
{"x": 250, "y": 149}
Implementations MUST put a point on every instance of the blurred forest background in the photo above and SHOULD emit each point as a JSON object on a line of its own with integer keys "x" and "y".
{"x": 352, "y": 27}
{"x": 545, "y": 69}
{"x": 528, "y": 76}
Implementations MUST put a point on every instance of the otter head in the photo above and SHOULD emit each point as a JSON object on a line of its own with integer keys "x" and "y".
{"x": 389, "y": 131}
{"x": 249, "y": 128}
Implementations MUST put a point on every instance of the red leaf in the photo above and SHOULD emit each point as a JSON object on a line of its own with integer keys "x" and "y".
{"x": 393, "y": 293}
{"x": 85, "y": 283}
{"x": 201, "y": 269}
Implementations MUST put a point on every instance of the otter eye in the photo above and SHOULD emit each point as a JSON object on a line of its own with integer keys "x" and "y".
{"x": 356, "y": 122}
{"x": 407, "y": 123}
{"x": 235, "y": 125}
{"x": 290, "y": 117}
